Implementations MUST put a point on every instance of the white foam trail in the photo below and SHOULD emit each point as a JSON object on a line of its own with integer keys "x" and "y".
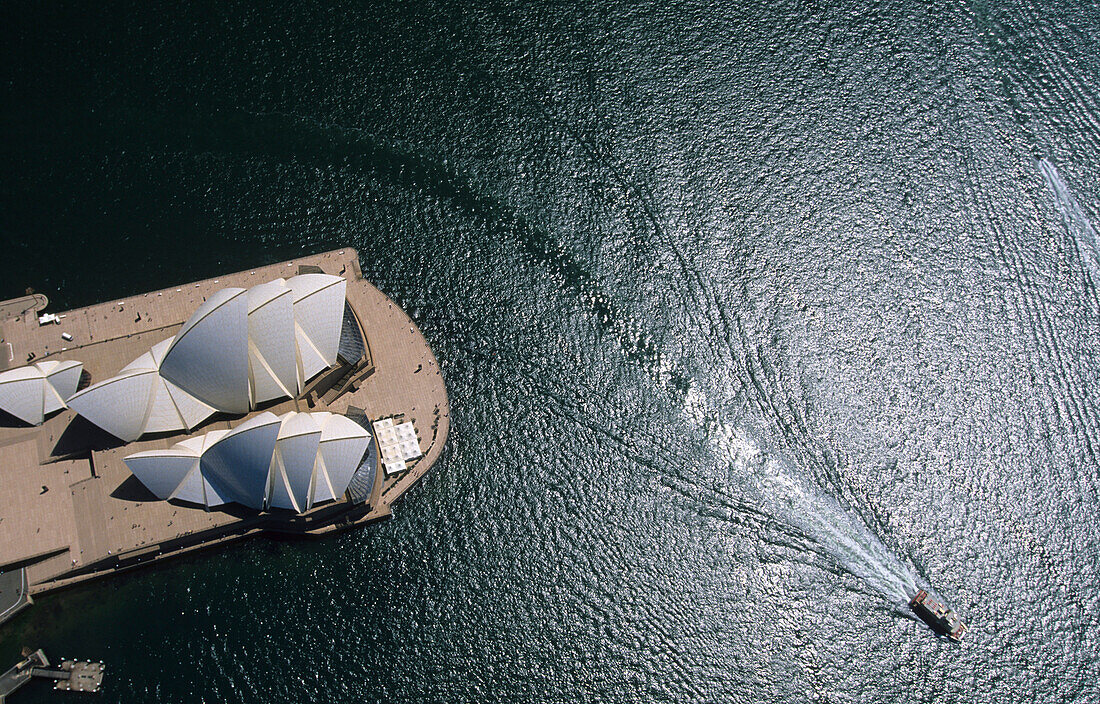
{"x": 1077, "y": 221}
{"x": 852, "y": 544}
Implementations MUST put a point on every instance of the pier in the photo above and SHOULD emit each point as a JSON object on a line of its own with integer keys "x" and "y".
{"x": 71, "y": 675}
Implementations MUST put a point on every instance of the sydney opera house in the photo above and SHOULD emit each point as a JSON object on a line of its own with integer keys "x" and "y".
{"x": 292, "y": 398}
{"x": 242, "y": 347}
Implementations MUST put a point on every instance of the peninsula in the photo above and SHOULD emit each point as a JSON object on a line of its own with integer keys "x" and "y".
{"x": 74, "y": 505}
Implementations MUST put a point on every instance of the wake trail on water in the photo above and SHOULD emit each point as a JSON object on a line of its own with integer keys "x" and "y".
{"x": 853, "y": 545}
{"x": 1077, "y": 220}
{"x": 840, "y": 535}
{"x": 850, "y": 542}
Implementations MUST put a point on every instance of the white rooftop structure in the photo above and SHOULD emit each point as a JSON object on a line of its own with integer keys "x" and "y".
{"x": 293, "y": 461}
{"x": 33, "y": 392}
{"x": 396, "y": 443}
{"x": 318, "y": 317}
{"x": 209, "y": 355}
{"x": 140, "y": 400}
{"x": 240, "y": 348}
{"x": 272, "y": 351}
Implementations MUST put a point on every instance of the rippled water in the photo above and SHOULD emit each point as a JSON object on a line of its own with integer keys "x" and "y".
{"x": 753, "y": 319}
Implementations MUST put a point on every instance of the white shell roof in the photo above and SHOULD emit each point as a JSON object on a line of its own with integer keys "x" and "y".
{"x": 271, "y": 348}
{"x": 319, "y": 314}
{"x": 31, "y": 393}
{"x": 209, "y": 357}
{"x": 21, "y": 394}
{"x": 163, "y": 471}
{"x": 119, "y": 404}
{"x": 296, "y": 451}
{"x": 190, "y": 409}
{"x": 151, "y": 404}
{"x": 290, "y": 462}
{"x": 343, "y": 442}
{"x": 240, "y": 348}
{"x": 237, "y": 464}
{"x": 63, "y": 378}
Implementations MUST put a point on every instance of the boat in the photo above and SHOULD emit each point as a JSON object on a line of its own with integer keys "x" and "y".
{"x": 938, "y": 616}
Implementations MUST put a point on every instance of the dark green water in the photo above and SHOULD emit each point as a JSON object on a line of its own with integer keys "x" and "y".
{"x": 752, "y": 318}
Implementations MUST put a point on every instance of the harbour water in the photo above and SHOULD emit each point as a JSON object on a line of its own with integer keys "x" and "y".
{"x": 753, "y": 319}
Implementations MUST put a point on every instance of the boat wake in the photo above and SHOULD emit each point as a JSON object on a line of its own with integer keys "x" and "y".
{"x": 1077, "y": 220}
{"x": 839, "y": 534}
{"x": 852, "y": 544}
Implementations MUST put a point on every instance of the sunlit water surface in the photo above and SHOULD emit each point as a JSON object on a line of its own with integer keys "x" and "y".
{"x": 753, "y": 320}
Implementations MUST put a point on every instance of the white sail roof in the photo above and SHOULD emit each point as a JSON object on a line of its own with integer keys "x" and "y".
{"x": 240, "y": 348}
{"x": 21, "y": 393}
{"x": 160, "y": 349}
{"x": 271, "y": 347}
{"x": 288, "y": 462}
{"x": 162, "y": 416}
{"x": 237, "y": 464}
{"x": 62, "y": 378}
{"x": 51, "y": 400}
{"x": 310, "y": 361}
{"x": 118, "y": 404}
{"x": 162, "y": 406}
{"x": 33, "y": 392}
{"x": 163, "y": 471}
{"x": 191, "y": 410}
{"x": 195, "y": 487}
{"x": 296, "y": 451}
{"x": 322, "y": 489}
{"x": 209, "y": 357}
{"x": 319, "y": 314}
{"x": 245, "y": 347}
{"x": 343, "y": 442}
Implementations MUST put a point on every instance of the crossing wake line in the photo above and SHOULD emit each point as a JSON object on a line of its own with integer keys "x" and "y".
{"x": 838, "y": 534}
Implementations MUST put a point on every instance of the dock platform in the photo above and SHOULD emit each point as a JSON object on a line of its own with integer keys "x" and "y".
{"x": 70, "y": 676}
{"x": 75, "y": 676}
{"x": 21, "y": 673}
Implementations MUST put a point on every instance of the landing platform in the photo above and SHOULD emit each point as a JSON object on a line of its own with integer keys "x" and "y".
{"x": 78, "y": 676}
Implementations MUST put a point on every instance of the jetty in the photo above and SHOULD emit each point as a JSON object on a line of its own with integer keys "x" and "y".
{"x": 72, "y": 511}
{"x": 70, "y": 676}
